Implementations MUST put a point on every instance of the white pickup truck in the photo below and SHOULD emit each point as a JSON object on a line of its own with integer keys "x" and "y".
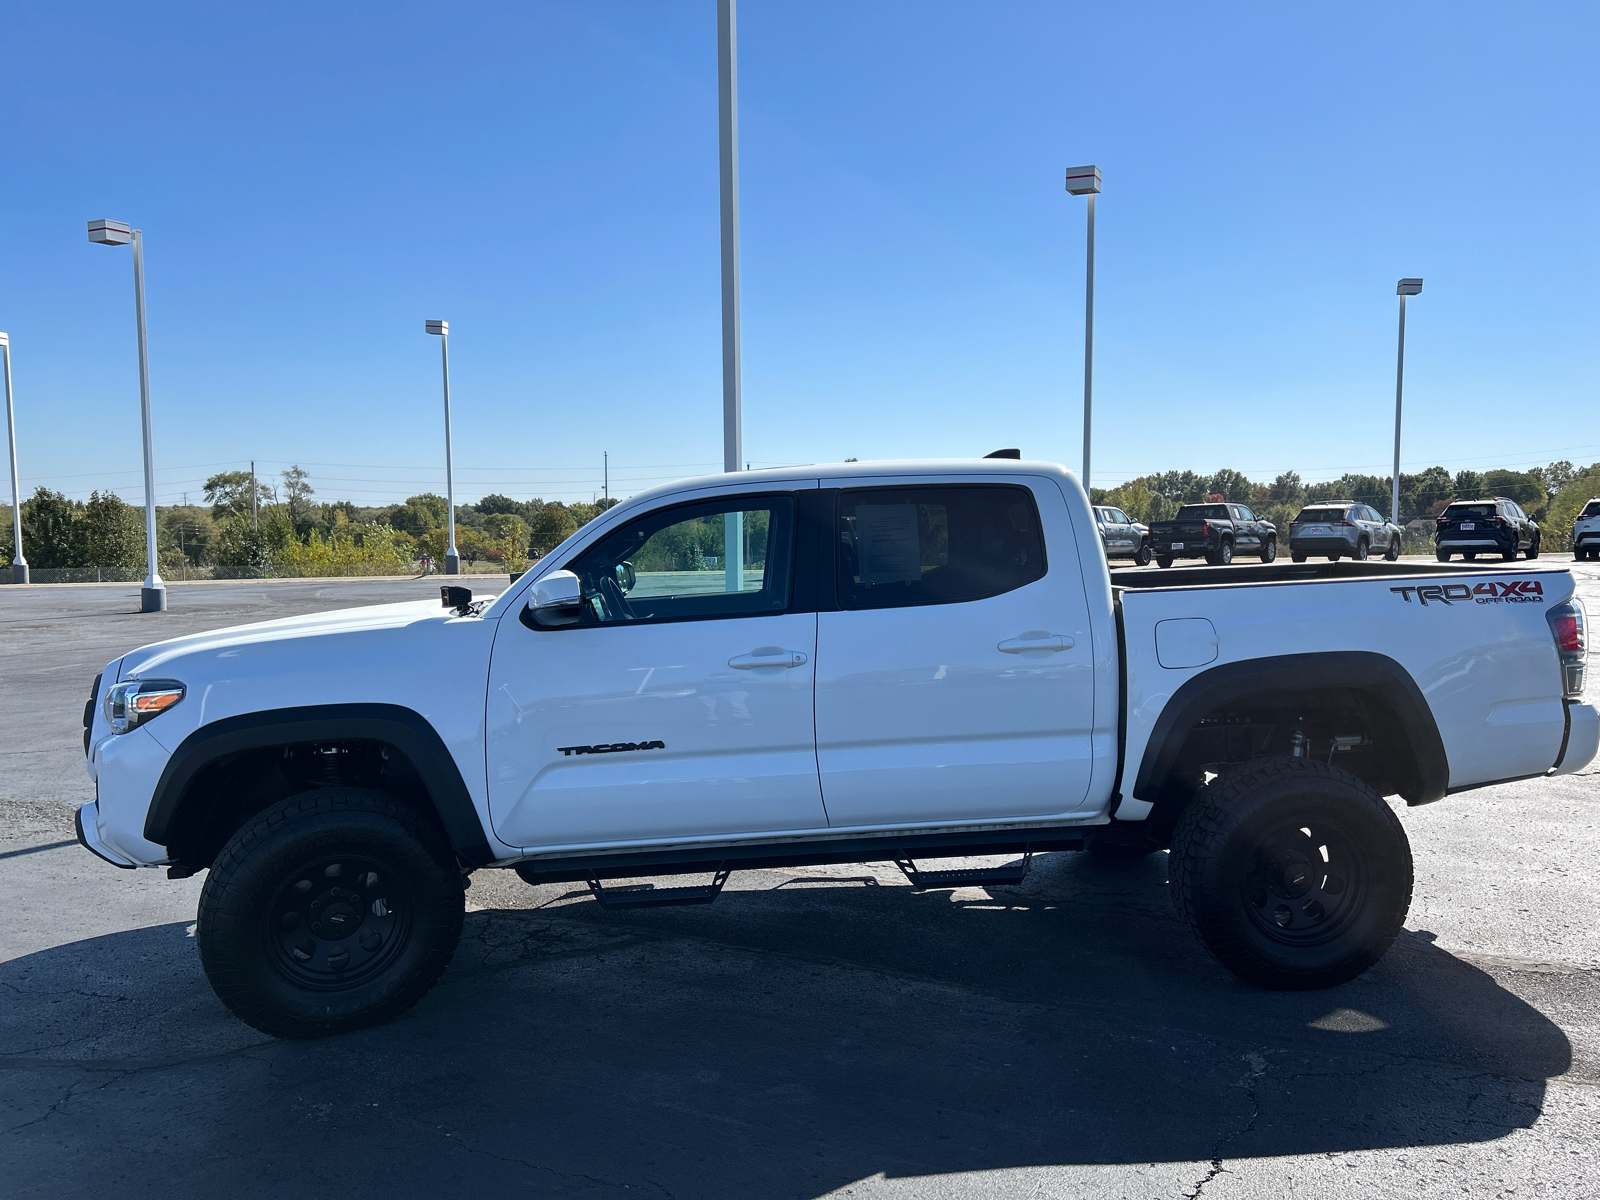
{"x": 875, "y": 661}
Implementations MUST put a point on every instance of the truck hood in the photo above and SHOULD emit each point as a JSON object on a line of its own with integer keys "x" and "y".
{"x": 161, "y": 658}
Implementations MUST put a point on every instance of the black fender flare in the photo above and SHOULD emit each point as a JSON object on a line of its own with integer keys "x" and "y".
{"x": 403, "y": 728}
{"x": 1378, "y": 675}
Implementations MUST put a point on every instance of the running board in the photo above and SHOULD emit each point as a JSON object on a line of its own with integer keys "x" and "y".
{"x": 1006, "y": 876}
{"x": 648, "y": 895}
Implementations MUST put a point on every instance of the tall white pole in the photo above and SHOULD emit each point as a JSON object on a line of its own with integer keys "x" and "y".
{"x": 153, "y": 595}
{"x": 19, "y": 564}
{"x": 1399, "y": 388}
{"x": 1088, "y": 346}
{"x": 728, "y": 160}
{"x": 452, "y": 559}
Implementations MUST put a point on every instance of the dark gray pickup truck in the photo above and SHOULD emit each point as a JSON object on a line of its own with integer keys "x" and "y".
{"x": 1214, "y": 532}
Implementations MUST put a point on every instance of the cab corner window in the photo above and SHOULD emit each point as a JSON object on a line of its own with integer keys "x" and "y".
{"x": 899, "y": 547}
{"x": 732, "y": 557}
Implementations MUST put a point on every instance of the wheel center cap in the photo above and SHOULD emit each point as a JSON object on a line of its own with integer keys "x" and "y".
{"x": 335, "y": 916}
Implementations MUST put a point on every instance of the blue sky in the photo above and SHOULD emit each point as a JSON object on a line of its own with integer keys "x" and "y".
{"x": 314, "y": 183}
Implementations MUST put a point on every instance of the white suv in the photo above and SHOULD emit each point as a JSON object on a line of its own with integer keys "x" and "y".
{"x": 1586, "y": 532}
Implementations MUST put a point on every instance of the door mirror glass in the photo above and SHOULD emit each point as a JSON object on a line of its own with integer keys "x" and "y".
{"x": 556, "y": 600}
{"x": 627, "y": 578}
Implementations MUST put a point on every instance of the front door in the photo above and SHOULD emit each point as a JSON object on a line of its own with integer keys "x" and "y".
{"x": 955, "y": 682}
{"x": 679, "y": 706}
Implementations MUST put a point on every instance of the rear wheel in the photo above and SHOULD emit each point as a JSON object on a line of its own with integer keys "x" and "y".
{"x": 1164, "y": 560}
{"x": 1142, "y": 557}
{"x": 1333, "y": 558}
{"x": 1222, "y": 555}
{"x": 1361, "y": 551}
{"x": 1443, "y": 555}
{"x": 1511, "y": 554}
{"x": 333, "y": 910}
{"x": 1293, "y": 557}
{"x": 1269, "y": 549}
{"x": 1292, "y": 873}
{"x": 1469, "y": 556}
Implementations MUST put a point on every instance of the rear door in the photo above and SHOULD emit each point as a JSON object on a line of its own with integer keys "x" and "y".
{"x": 955, "y": 677}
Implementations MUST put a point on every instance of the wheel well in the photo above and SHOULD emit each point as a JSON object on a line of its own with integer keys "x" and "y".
{"x": 1360, "y": 711}
{"x": 227, "y": 771}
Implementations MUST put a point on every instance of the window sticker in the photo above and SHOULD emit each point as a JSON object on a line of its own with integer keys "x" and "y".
{"x": 887, "y": 547}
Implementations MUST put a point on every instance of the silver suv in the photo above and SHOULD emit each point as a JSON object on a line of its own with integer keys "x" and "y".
{"x": 1123, "y": 537}
{"x": 1342, "y": 529}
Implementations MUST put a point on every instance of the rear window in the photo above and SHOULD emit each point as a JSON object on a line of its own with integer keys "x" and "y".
{"x": 1470, "y": 512}
{"x": 1592, "y": 509}
{"x": 1205, "y": 512}
{"x": 1309, "y": 515}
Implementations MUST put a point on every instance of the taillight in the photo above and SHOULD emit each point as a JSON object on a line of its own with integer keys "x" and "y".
{"x": 1441, "y": 520}
{"x": 1205, "y": 529}
{"x": 1500, "y": 522}
{"x": 1568, "y": 625}
{"x": 1349, "y": 523}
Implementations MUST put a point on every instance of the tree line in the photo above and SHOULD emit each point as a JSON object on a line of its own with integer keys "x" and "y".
{"x": 291, "y": 532}
{"x": 287, "y": 531}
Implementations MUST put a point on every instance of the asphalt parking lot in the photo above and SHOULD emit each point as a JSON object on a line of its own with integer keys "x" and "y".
{"x": 814, "y": 1033}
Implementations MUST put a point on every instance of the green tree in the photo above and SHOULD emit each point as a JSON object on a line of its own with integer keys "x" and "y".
{"x": 1469, "y": 486}
{"x": 1230, "y": 485}
{"x": 297, "y": 496}
{"x": 503, "y": 527}
{"x": 110, "y": 535}
{"x": 420, "y": 514}
{"x": 553, "y": 525}
{"x": 47, "y": 529}
{"x": 228, "y": 493}
{"x": 1520, "y": 486}
{"x": 495, "y": 504}
{"x": 238, "y": 550}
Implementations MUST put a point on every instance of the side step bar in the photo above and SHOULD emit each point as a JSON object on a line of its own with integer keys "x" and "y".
{"x": 648, "y": 895}
{"x": 1006, "y": 876}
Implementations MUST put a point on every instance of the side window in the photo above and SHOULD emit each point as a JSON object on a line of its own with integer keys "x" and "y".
{"x": 1120, "y": 517}
{"x": 900, "y": 547}
{"x": 1245, "y": 514}
{"x": 732, "y": 557}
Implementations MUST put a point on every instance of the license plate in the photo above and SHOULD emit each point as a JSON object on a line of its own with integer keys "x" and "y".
{"x": 1177, "y": 545}
{"x": 1465, "y": 525}
{"x": 1317, "y": 529}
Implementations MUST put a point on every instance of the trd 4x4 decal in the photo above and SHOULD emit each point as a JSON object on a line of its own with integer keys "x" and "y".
{"x": 1493, "y": 591}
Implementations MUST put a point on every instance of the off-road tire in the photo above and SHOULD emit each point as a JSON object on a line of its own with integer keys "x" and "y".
{"x": 1278, "y": 908}
{"x": 1269, "y": 550}
{"x": 1164, "y": 561}
{"x": 324, "y": 859}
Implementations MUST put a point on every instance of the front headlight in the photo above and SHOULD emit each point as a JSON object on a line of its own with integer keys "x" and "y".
{"x": 130, "y": 704}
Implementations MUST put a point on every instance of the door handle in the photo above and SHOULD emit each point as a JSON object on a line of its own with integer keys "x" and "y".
{"x": 768, "y": 656}
{"x": 1049, "y": 641}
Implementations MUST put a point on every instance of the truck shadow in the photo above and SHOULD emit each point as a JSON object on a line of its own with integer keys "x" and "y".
{"x": 787, "y": 1041}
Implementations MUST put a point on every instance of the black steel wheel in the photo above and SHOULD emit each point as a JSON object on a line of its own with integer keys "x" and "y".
{"x": 1269, "y": 550}
{"x": 333, "y": 910}
{"x": 1292, "y": 873}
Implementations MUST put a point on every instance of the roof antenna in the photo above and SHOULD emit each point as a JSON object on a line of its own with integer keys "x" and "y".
{"x": 1011, "y": 453}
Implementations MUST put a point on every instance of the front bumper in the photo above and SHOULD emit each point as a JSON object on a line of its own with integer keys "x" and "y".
{"x": 89, "y": 837}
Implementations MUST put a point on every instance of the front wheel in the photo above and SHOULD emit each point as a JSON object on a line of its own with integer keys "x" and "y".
{"x": 1393, "y": 552}
{"x": 1163, "y": 560}
{"x": 1533, "y": 549}
{"x": 331, "y": 911}
{"x": 1292, "y": 873}
{"x": 1142, "y": 557}
{"x": 1269, "y": 550}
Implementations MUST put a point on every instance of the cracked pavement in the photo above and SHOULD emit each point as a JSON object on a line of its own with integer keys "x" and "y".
{"x": 818, "y": 1032}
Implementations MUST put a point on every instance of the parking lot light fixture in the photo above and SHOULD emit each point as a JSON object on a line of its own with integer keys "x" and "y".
{"x": 452, "y": 559}
{"x": 1406, "y": 287}
{"x": 1085, "y": 181}
{"x": 153, "y": 595}
{"x": 19, "y": 564}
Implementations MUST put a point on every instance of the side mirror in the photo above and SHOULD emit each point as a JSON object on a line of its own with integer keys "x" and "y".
{"x": 554, "y": 601}
{"x": 626, "y": 577}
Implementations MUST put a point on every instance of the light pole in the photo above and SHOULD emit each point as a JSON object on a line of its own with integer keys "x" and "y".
{"x": 1085, "y": 181}
{"x": 452, "y": 560}
{"x": 153, "y": 595}
{"x": 1406, "y": 287}
{"x": 728, "y": 162}
{"x": 19, "y": 564}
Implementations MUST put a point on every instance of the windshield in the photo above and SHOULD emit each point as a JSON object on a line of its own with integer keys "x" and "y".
{"x": 1469, "y": 512}
{"x": 1320, "y": 514}
{"x": 1208, "y": 512}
